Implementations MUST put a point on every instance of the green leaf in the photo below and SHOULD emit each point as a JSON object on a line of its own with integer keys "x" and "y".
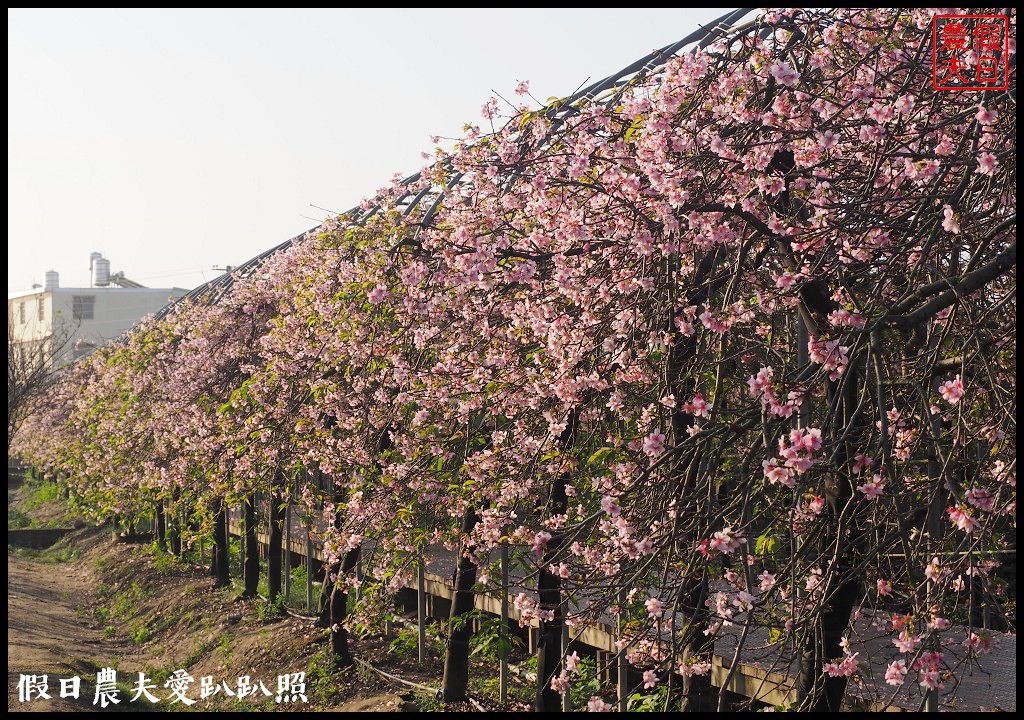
{"x": 600, "y": 455}
{"x": 637, "y": 124}
{"x": 766, "y": 544}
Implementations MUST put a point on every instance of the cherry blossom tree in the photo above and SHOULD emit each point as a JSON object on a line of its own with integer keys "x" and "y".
{"x": 722, "y": 349}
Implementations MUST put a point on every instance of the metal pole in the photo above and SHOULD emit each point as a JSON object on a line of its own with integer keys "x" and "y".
{"x": 421, "y": 611}
{"x": 503, "y": 628}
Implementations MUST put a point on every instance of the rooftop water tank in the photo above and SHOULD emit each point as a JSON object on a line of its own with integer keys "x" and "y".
{"x": 101, "y": 272}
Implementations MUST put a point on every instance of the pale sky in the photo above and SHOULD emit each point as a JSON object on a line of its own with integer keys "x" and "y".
{"x": 174, "y": 141}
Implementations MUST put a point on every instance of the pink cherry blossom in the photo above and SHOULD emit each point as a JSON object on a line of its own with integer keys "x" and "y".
{"x": 952, "y": 390}
{"x": 844, "y": 668}
{"x": 906, "y": 642}
{"x": 979, "y": 643}
{"x": 726, "y": 540}
{"x": 644, "y": 546}
{"x": 929, "y": 679}
{"x": 873, "y": 490}
{"x": 985, "y": 116}
{"x": 934, "y": 570}
{"x": 981, "y": 498}
{"x": 654, "y": 444}
{"x": 560, "y": 683}
{"x": 779, "y": 474}
{"x": 698, "y": 406}
{"x": 698, "y": 668}
{"x": 949, "y": 223}
{"x": 655, "y": 607}
{"x": 962, "y": 519}
{"x": 987, "y": 163}
{"x": 896, "y": 673}
{"x": 610, "y": 506}
{"x": 784, "y": 73}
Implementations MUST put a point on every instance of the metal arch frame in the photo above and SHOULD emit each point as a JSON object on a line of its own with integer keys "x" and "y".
{"x": 610, "y": 87}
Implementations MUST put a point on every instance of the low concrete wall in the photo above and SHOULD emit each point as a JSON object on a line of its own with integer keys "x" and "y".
{"x": 36, "y": 537}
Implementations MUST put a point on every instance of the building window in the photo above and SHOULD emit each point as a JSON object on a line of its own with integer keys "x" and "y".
{"x": 21, "y": 313}
{"x": 41, "y": 308}
{"x": 82, "y": 306}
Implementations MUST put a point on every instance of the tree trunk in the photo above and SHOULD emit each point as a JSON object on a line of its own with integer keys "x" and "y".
{"x": 251, "y": 571}
{"x": 274, "y": 543}
{"x": 161, "y": 526}
{"x": 221, "y": 550}
{"x": 339, "y": 610}
{"x": 175, "y": 523}
{"x": 326, "y": 591}
{"x": 332, "y": 570}
{"x": 684, "y": 473}
{"x": 816, "y": 691}
{"x": 698, "y": 694}
{"x": 549, "y": 589}
{"x": 456, "y": 662}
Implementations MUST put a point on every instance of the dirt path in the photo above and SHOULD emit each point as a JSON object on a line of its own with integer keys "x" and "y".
{"x": 45, "y": 635}
{"x": 88, "y": 603}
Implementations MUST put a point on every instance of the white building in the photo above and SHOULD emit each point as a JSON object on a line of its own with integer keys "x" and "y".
{"x": 65, "y": 324}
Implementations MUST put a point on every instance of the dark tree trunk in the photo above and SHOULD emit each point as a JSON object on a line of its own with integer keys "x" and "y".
{"x": 456, "y": 662}
{"x": 549, "y": 589}
{"x": 161, "y": 526}
{"x": 339, "y": 610}
{"x": 175, "y": 523}
{"x": 251, "y": 571}
{"x": 274, "y": 543}
{"x": 330, "y": 571}
{"x": 817, "y": 691}
{"x": 176, "y": 539}
{"x": 326, "y": 591}
{"x": 698, "y": 693}
{"x": 221, "y": 550}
